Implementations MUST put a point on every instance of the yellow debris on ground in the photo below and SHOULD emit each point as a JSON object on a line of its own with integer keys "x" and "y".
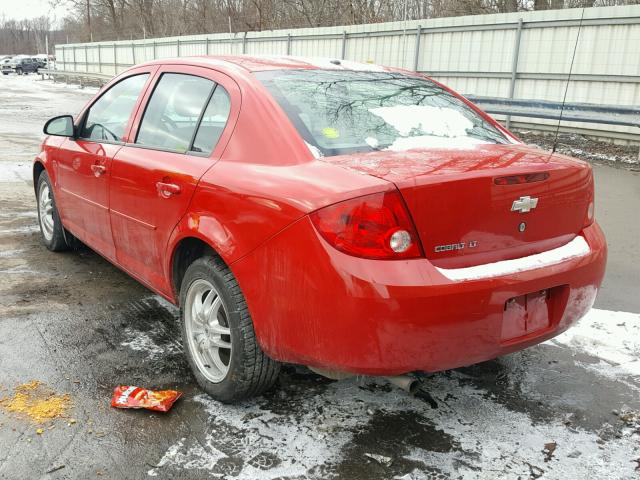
{"x": 36, "y": 401}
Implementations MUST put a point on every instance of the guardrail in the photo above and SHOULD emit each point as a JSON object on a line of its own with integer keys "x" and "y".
{"x": 82, "y": 77}
{"x": 572, "y": 112}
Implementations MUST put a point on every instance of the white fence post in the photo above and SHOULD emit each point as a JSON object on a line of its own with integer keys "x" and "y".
{"x": 514, "y": 66}
{"x": 416, "y": 58}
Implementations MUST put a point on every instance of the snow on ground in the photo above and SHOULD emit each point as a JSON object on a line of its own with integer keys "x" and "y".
{"x": 15, "y": 171}
{"x": 612, "y": 337}
{"x": 144, "y": 342}
{"x": 476, "y": 434}
{"x": 38, "y": 85}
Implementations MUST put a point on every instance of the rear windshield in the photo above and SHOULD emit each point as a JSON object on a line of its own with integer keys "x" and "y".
{"x": 343, "y": 111}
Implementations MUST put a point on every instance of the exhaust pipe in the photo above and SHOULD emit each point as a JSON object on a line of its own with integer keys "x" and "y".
{"x": 405, "y": 382}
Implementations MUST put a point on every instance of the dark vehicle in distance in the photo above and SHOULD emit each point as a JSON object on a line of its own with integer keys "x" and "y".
{"x": 20, "y": 66}
{"x": 41, "y": 62}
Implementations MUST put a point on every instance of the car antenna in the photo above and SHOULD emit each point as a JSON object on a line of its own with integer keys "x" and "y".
{"x": 566, "y": 88}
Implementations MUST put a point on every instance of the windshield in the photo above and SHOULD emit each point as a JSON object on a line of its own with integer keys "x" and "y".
{"x": 343, "y": 111}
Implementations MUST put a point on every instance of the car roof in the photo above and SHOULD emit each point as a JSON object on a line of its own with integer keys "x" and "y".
{"x": 255, "y": 63}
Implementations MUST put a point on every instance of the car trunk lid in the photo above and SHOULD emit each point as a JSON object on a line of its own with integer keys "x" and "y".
{"x": 487, "y": 203}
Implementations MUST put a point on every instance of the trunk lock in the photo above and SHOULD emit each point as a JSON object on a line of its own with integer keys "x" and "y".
{"x": 522, "y": 227}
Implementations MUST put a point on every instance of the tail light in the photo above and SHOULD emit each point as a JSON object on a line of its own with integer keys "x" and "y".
{"x": 590, "y": 214}
{"x": 373, "y": 226}
{"x": 523, "y": 178}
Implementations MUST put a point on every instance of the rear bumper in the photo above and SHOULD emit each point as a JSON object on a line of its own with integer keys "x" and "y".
{"x": 314, "y": 305}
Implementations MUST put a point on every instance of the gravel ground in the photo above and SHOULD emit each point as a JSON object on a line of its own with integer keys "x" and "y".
{"x": 568, "y": 408}
{"x": 586, "y": 148}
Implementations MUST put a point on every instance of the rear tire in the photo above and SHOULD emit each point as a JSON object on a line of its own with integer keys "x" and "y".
{"x": 19, "y": 71}
{"x": 51, "y": 230}
{"x": 218, "y": 335}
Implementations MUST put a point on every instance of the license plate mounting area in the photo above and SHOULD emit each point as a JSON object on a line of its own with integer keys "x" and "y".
{"x": 527, "y": 314}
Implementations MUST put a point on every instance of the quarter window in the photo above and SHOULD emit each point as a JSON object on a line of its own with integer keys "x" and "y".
{"x": 173, "y": 112}
{"x": 108, "y": 116}
{"x": 213, "y": 121}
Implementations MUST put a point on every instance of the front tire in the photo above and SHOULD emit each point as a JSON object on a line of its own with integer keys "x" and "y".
{"x": 51, "y": 230}
{"x": 218, "y": 335}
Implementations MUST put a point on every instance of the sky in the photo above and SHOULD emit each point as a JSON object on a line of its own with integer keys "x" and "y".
{"x": 20, "y": 9}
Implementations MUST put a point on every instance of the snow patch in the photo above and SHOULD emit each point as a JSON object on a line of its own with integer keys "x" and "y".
{"x": 578, "y": 247}
{"x": 15, "y": 172}
{"x": 436, "y": 121}
{"x": 315, "y": 151}
{"x": 14, "y": 215}
{"x": 25, "y": 229}
{"x": 11, "y": 253}
{"x": 613, "y": 337}
{"x": 143, "y": 342}
{"x": 401, "y": 144}
{"x": 334, "y": 64}
{"x": 479, "y": 434}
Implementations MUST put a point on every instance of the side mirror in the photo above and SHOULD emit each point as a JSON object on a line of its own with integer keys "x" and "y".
{"x": 61, "y": 126}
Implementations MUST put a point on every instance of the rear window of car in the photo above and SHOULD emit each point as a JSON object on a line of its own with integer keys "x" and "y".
{"x": 345, "y": 111}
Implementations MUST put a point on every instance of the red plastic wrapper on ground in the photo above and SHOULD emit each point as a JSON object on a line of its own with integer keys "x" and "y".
{"x": 125, "y": 396}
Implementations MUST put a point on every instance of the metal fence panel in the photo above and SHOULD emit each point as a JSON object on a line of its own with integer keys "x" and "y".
{"x": 523, "y": 55}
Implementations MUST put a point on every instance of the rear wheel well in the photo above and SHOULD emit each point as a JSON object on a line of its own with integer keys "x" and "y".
{"x": 38, "y": 168}
{"x": 186, "y": 252}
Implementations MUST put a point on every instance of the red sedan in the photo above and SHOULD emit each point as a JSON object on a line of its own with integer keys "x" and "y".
{"x": 348, "y": 217}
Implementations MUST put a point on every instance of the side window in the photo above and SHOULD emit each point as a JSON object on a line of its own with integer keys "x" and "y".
{"x": 173, "y": 111}
{"x": 108, "y": 116}
{"x": 213, "y": 121}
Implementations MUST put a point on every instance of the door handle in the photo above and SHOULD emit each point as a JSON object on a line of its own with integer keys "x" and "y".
{"x": 98, "y": 169}
{"x": 167, "y": 189}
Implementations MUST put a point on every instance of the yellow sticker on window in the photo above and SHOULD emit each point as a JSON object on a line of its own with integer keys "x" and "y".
{"x": 330, "y": 132}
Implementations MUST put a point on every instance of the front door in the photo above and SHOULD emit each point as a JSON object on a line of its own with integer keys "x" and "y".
{"x": 84, "y": 163}
{"x": 153, "y": 178}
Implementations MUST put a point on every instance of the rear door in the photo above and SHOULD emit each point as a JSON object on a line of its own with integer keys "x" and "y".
{"x": 179, "y": 135}
{"x": 84, "y": 163}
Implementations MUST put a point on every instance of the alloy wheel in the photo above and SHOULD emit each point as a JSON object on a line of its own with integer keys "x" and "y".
{"x": 45, "y": 210}
{"x": 207, "y": 329}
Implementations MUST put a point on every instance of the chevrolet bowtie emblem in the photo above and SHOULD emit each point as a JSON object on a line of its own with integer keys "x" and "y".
{"x": 524, "y": 204}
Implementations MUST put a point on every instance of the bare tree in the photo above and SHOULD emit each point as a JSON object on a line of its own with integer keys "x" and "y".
{"x": 132, "y": 19}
